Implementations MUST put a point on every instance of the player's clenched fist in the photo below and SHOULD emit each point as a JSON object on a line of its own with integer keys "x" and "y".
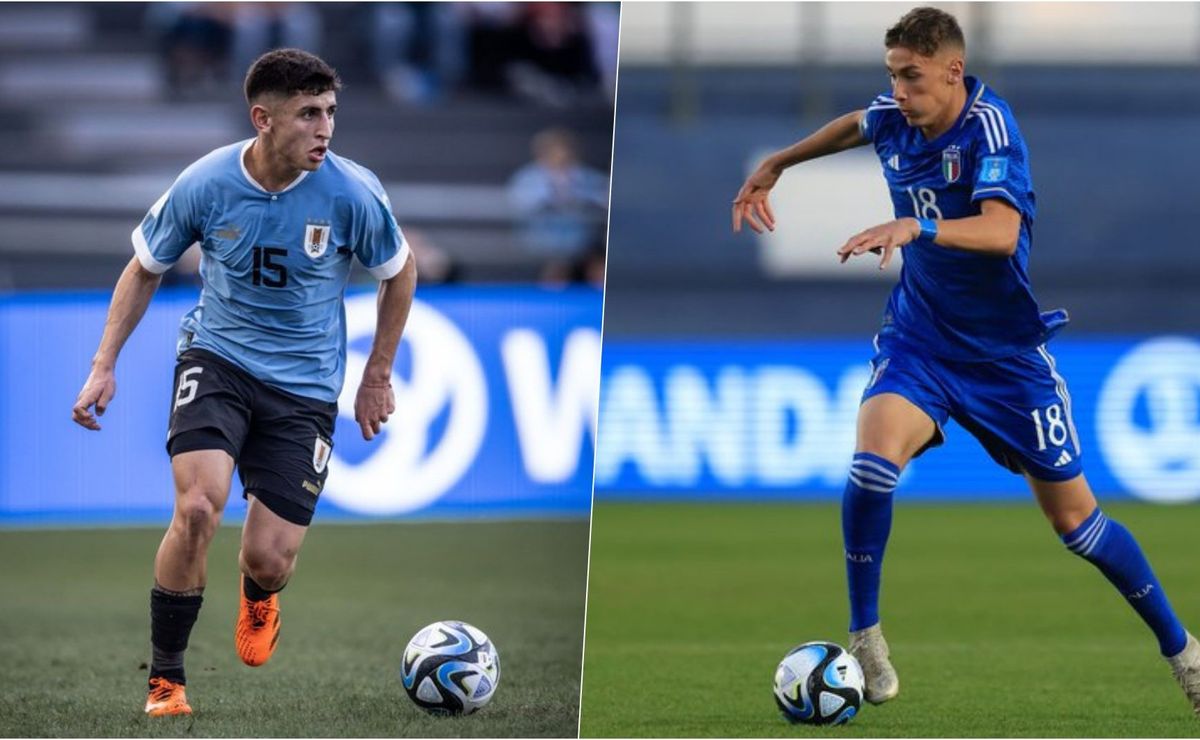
{"x": 372, "y": 406}
{"x": 99, "y": 389}
{"x": 752, "y": 205}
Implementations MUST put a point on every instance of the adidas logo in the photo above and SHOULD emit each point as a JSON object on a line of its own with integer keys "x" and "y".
{"x": 856, "y": 557}
{"x": 894, "y": 161}
{"x": 1063, "y": 459}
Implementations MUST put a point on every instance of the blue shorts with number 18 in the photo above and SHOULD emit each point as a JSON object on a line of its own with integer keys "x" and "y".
{"x": 1017, "y": 407}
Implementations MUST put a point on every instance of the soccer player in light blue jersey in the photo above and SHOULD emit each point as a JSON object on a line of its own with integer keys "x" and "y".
{"x": 261, "y": 358}
{"x": 962, "y": 336}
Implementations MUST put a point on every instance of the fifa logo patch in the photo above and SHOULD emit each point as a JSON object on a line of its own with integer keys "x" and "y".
{"x": 993, "y": 169}
{"x": 952, "y": 163}
{"x": 321, "y": 452}
{"x": 316, "y": 238}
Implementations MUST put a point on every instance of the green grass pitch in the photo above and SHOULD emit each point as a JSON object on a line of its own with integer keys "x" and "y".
{"x": 74, "y": 621}
{"x": 995, "y": 629}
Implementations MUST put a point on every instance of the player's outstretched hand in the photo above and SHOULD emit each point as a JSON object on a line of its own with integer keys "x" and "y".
{"x": 372, "y": 406}
{"x": 752, "y": 203}
{"x": 884, "y": 238}
{"x": 99, "y": 389}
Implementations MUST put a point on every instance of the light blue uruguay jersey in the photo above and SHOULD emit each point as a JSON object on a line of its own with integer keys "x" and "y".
{"x": 959, "y": 305}
{"x": 274, "y": 266}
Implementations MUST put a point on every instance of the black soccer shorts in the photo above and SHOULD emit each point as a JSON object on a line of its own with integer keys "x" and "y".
{"x": 281, "y": 442}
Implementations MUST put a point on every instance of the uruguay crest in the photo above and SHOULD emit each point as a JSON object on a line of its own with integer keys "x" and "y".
{"x": 951, "y": 163}
{"x": 321, "y": 452}
{"x": 316, "y": 238}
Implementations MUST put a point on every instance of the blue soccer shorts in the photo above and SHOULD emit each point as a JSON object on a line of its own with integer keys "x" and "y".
{"x": 1017, "y": 407}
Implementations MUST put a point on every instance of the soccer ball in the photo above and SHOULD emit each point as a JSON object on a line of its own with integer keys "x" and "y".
{"x": 818, "y": 683}
{"x": 450, "y": 668}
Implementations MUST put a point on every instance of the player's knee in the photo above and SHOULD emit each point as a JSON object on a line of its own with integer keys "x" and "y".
{"x": 887, "y": 449}
{"x": 1065, "y": 505}
{"x": 269, "y": 568}
{"x": 1066, "y": 520}
{"x": 196, "y": 515}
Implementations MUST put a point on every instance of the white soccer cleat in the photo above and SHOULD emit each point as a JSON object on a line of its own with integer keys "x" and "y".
{"x": 871, "y": 650}
{"x": 1186, "y": 667}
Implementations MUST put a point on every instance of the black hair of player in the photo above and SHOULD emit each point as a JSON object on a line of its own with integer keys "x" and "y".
{"x": 289, "y": 72}
{"x": 925, "y": 30}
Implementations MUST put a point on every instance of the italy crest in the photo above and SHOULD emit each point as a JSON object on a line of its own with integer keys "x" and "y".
{"x": 951, "y": 163}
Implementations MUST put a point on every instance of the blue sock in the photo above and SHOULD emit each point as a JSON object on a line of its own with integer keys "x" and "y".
{"x": 1111, "y": 548}
{"x": 866, "y": 523}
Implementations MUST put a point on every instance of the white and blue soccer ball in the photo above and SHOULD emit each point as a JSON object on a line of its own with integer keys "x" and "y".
{"x": 450, "y": 668}
{"x": 819, "y": 683}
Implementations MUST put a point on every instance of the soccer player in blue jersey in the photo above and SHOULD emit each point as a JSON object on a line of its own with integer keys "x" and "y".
{"x": 262, "y": 356}
{"x": 962, "y": 336}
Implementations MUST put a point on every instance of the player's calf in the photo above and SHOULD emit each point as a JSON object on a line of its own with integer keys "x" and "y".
{"x": 866, "y": 524}
{"x": 172, "y": 616}
{"x": 1112, "y": 548}
{"x": 271, "y": 539}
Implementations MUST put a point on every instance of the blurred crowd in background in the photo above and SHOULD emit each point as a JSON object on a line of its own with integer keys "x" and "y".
{"x": 490, "y": 125}
{"x": 553, "y": 54}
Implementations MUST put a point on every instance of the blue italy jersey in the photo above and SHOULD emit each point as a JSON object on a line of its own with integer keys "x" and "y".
{"x": 960, "y": 305}
{"x": 274, "y": 266}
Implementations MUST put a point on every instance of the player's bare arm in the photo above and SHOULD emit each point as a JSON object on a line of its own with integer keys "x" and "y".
{"x": 375, "y": 400}
{"x": 132, "y": 295}
{"x": 752, "y": 205}
{"x": 993, "y": 232}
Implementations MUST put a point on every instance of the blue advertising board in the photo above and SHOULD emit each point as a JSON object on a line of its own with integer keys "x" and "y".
{"x": 772, "y": 419}
{"x": 495, "y": 391}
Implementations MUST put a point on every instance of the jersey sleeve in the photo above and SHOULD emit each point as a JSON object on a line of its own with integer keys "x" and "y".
{"x": 872, "y": 121}
{"x": 378, "y": 242}
{"x": 1001, "y": 167}
{"x": 171, "y": 226}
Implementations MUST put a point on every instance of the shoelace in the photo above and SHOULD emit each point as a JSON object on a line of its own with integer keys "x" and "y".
{"x": 260, "y": 613}
{"x": 161, "y": 690}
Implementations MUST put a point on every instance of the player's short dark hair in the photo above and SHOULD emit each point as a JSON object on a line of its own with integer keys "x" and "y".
{"x": 290, "y": 72}
{"x": 925, "y": 31}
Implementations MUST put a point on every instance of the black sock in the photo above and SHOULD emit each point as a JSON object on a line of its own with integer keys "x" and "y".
{"x": 255, "y": 592}
{"x": 172, "y": 616}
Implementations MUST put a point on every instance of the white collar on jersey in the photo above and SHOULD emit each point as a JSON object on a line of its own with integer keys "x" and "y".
{"x": 246, "y": 173}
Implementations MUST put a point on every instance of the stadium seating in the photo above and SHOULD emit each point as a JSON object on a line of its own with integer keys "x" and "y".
{"x": 92, "y": 138}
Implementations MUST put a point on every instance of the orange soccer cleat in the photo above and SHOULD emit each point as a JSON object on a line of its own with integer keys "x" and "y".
{"x": 166, "y": 698}
{"x": 257, "y": 629}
